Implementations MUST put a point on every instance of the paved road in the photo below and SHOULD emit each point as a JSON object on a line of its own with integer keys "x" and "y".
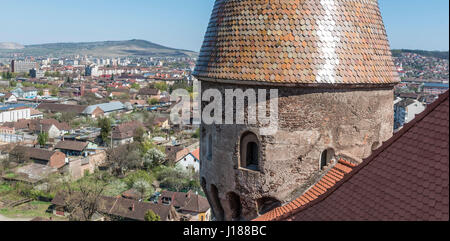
{"x": 3, "y": 218}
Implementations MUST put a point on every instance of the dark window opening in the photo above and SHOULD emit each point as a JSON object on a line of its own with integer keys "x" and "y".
{"x": 325, "y": 158}
{"x": 252, "y": 154}
{"x": 266, "y": 204}
{"x": 249, "y": 152}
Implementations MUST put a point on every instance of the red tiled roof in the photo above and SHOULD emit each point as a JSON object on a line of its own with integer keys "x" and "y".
{"x": 189, "y": 202}
{"x": 71, "y": 145}
{"x": 328, "y": 181}
{"x": 127, "y": 130}
{"x": 406, "y": 179}
{"x": 196, "y": 153}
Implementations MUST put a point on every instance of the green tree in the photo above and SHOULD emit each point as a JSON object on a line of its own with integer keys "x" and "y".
{"x": 151, "y": 216}
{"x": 143, "y": 188}
{"x": 162, "y": 86}
{"x": 135, "y": 176}
{"x": 135, "y": 86}
{"x": 153, "y": 157}
{"x": 54, "y": 91}
{"x": 152, "y": 101}
{"x": 139, "y": 135}
{"x": 106, "y": 126}
{"x": 196, "y": 134}
{"x": 43, "y": 138}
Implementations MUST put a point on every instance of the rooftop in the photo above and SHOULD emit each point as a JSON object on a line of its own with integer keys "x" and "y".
{"x": 298, "y": 42}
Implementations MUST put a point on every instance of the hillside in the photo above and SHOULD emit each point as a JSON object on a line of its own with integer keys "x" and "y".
{"x": 101, "y": 49}
{"x": 435, "y": 54}
{"x": 10, "y": 46}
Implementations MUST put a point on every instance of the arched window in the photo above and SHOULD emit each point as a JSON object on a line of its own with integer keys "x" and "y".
{"x": 249, "y": 151}
{"x": 266, "y": 204}
{"x": 326, "y": 157}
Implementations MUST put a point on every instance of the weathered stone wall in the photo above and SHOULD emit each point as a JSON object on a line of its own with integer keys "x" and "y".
{"x": 311, "y": 120}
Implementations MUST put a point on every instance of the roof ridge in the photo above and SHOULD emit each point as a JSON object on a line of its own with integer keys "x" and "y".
{"x": 369, "y": 160}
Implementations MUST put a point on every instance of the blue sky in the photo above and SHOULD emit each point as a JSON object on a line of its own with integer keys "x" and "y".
{"x": 414, "y": 24}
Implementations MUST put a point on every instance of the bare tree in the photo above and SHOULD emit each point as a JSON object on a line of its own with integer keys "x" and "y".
{"x": 83, "y": 200}
{"x": 123, "y": 158}
{"x": 18, "y": 155}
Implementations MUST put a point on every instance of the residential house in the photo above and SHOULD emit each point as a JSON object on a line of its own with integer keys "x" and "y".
{"x": 36, "y": 114}
{"x": 405, "y": 111}
{"x": 10, "y": 98}
{"x": 53, "y": 159}
{"x": 138, "y": 103}
{"x": 72, "y": 148}
{"x": 190, "y": 161}
{"x": 171, "y": 150}
{"x": 162, "y": 122}
{"x": 435, "y": 88}
{"x": 149, "y": 93}
{"x": 124, "y": 133}
{"x": 119, "y": 209}
{"x": 61, "y": 108}
{"x": 51, "y": 126}
{"x": 5, "y": 130}
{"x": 25, "y": 92}
{"x": 104, "y": 109}
{"x": 13, "y": 113}
{"x": 191, "y": 206}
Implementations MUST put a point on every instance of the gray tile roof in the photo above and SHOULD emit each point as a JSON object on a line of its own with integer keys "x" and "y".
{"x": 106, "y": 107}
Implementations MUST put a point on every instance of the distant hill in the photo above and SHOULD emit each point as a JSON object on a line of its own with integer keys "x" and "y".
{"x": 10, "y": 46}
{"x": 436, "y": 54}
{"x": 104, "y": 49}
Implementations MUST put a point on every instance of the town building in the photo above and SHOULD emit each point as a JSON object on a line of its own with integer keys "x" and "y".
{"x": 125, "y": 132}
{"x": 190, "y": 206}
{"x": 149, "y": 93}
{"x": 119, "y": 209}
{"x": 72, "y": 148}
{"x": 435, "y": 88}
{"x": 10, "y": 98}
{"x": 14, "y": 113}
{"x": 334, "y": 83}
{"x": 61, "y": 108}
{"x": 405, "y": 111}
{"x": 190, "y": 161}
{"x": 25, "y": 92}
{"x": 104, "y": 109}
{"x": 18, "y": 66}
{"x": 53, "y": 159}
{"x": 36, "y": 74}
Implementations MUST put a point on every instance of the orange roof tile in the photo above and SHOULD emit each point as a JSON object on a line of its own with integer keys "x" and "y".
{"x": 336, "y": 174}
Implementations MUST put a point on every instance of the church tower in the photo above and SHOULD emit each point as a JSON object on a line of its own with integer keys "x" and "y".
{"x": 331, "y": 64}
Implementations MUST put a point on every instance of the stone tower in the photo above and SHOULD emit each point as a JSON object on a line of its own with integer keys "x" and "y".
{"x": 331, "y": 64}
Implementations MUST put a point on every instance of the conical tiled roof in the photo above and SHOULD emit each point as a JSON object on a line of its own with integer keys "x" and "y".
{"x": 298, "y": 42}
